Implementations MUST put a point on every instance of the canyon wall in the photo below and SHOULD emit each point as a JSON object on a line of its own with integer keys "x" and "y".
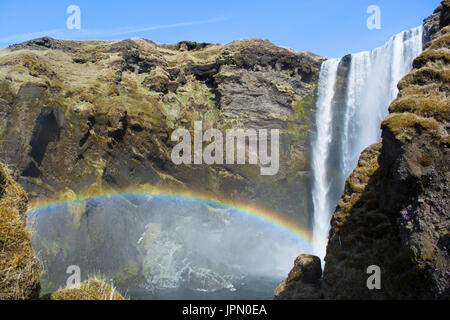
{"x": 90, "y": 116}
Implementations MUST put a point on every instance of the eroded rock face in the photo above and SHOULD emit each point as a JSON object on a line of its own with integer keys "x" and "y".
{"x": 91, "y": 115}
{"x": 394, "y": 209}
{"x": 305, "y": 274}
{"x": 19, "y": 269}
{"x": 436, "y": 21}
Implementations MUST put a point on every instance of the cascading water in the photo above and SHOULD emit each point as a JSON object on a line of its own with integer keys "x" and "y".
{"x": 327, "y": 78}
{"x": 353, "y": 98}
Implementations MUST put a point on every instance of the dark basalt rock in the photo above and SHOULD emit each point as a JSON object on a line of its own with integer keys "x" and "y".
{"x": 436, "y": 22}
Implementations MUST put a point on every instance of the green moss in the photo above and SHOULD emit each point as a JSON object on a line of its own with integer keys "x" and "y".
{"x": 171, "y": 110}
{"x": 210, "y": 118}
{"x": 300, "y": 123}
{"x": 223, "y": 76}
{"x": 297, "y": 133}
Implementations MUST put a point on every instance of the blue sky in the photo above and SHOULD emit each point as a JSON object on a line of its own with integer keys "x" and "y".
{"x": 330, "y": 28}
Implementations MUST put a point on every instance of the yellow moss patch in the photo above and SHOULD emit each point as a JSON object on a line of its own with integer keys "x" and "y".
{"x": 427, "y": 90}
{"x": 399, "y": 123}
{"x": 88, "y": 290}
{"x": 422, "y": 105}
{"x": 425, "y": 76}
{"x": 357, "y": 182}
{"x": 432, "y": 55}
{"x": 441, "y": 42}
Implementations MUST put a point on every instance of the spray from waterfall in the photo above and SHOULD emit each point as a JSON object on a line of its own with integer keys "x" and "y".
{"x": 353, "y": 98}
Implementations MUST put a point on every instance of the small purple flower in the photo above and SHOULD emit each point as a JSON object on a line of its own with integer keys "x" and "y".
{"x": 405, "y": 215}
{"x": 439, "y": 208}
{"x": 409, "y": 208}
{"x": 446, "y": 253}
{"x": 434, "y": 246}
{"x": 447, "y": 273}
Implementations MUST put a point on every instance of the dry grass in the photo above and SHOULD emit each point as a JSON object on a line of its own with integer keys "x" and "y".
{"x": 423, "y": 104}
{"x": 424, "y": 76}
{"x": 19, "y": 269}
{"x": 442, "y": 41}
{"x": 436, "y": 106}
{"x": 399, "y": 123}
{"x": 356, "y": 184}
{"x": 431, "y": 55}
{"x": 91, "y": 289}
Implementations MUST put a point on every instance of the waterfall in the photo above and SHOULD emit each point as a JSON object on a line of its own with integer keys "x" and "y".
{"x": 354, "y": 94}
{"x": 327, "y": 78}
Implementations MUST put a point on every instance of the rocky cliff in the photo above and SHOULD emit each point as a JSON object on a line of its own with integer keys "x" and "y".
{"x": 89, "y": 116}
{"x": 394, "y": 209}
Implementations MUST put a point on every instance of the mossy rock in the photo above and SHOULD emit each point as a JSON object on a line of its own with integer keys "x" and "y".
{"x": 88, "y": 290}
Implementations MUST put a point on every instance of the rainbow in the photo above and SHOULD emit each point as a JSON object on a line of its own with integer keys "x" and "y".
{"x": 247, "y": 210}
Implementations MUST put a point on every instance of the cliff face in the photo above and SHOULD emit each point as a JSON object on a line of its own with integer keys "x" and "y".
{"x": 92, "y": 116}
{"x": 436, "y": 21}
{"x": 394, "y": 209}
{"x": 19, "y": 269}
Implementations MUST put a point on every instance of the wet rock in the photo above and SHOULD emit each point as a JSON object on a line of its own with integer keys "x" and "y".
{"x": 436, "y": 22}
{"x": 302, "y": 281}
